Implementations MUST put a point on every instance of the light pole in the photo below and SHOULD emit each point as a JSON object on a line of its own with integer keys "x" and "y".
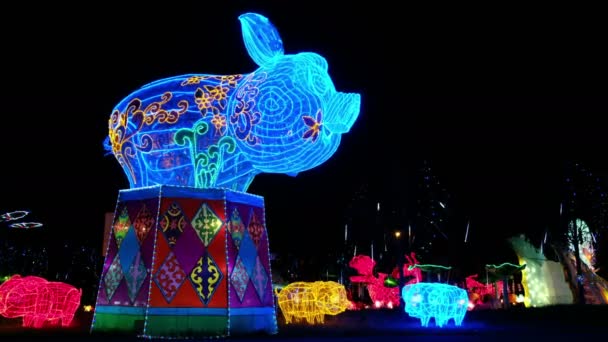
{"x": 400, "y": 263}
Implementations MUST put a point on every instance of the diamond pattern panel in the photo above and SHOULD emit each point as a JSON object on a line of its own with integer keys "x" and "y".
{"x": 206, "y": 223}
{"x": 135, "y": 277}
{"x": 239, "y": 279}
{"x": 206, "y": 278}
{"x": 121, "y": 226}
{"x": 236, "y": 227}
{"x": 188, "y": 248}
{"x": 172, "y": 223}
{"x": 147, "y": 249}
{"x": 110, "y": 255}
{"x": 144, "y": 222}
{"x": 248, "y": 253}
{"x": 129, "y": 249}
{"x": 259, "y": 278}
{"x": 113, "y": 277}
{"x": 255, "y": 228}
{"x": 169, "y": 277}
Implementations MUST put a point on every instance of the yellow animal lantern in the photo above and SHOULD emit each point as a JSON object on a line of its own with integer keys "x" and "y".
{"x": 312, "y": 301}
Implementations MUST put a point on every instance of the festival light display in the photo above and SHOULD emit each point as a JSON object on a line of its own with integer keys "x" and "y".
{"x": 479, "y": 292}
{"x": 391, "y": 282}
{"x": 207, "y": 131}
{"x": 187, "y": 240}
{"x": 439, "y": 301}
{"x": 380, "y": 294}
{"x": 480, "y": 288}
{"x": 13, "y": 215}
{"x": 40, "y": 302}
{"x": 311, "y": 301}
{"x": 430, "y": 268}
{"x": 17, "y": 215}
{"x": 586, "y": 242}
{"x": 505, "y": 271}
{"x": 383, "y": 289}
{"x": 187, "y": 263}
{"x": 542, "y": 279}
{"x": 410, "y": 271}
{"x": 25, "y": 225}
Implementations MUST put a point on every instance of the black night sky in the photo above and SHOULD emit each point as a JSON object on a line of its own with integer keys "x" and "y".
{"x": 496, "y": 100}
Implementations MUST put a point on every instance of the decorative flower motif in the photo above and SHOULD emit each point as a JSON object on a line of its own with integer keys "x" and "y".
{"x": 230, "y": 79}
{"x": 219, "y": 93}
{"x": 194, "y": 80}
{"x": 218, "y": 121}
{"x": 202, "y": 99}
{"x": 314, "y": 126}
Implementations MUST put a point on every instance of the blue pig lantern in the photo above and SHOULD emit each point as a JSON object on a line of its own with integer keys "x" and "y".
{"x": 188, "y": 252}
{"x": 435, "y": 300}
{"x": 220, "y": 131}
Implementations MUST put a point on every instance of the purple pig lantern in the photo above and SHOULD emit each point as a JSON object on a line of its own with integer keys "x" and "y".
{"x": 435, "y": 300}
{"x": 188, "y": 252}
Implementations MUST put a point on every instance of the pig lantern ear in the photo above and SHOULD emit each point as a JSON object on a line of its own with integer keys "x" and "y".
{"x": 262, "y": 40}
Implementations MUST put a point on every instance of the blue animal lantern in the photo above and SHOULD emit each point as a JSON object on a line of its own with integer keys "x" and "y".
{"x": 435, "y": 300}
{"x": 206, "y": 131}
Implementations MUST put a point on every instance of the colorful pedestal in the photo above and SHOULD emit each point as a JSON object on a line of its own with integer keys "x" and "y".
{"x": 185, "y": 262}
